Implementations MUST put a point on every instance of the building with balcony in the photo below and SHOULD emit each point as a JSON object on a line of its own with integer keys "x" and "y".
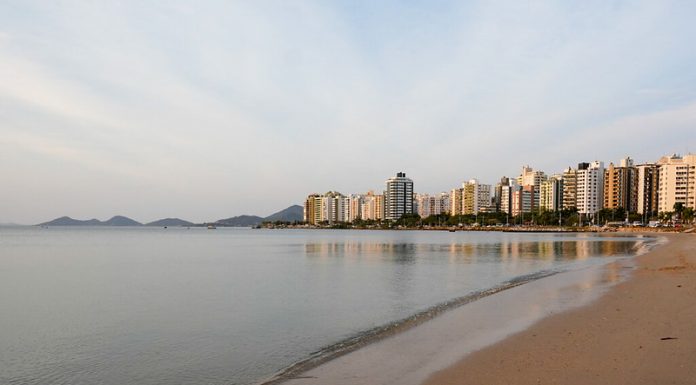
{"x": 398, "y": 198}
{"x": 590, "y": 187}
{"x": 621, "y": 186}
{"x": 676, "y": 182}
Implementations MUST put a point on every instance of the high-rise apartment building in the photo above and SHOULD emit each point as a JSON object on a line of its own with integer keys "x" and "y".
{"x": 398, "y": 196}
{"x": 529, "y": 177}
{"x": 621, "y": 186}
{"x": 329, "y": 207}
{"x": 372, "y": 206}
{"x": 472, "y": 198}
{"x": 476, "y": 197}
{"x": 380, "y": 207}
{"x": 483, "y": 198}
{"x": 427, "y": 205}
{"x": 312, "y": 209}
{"x": 570, "y": 188}
{"x": 444, "y": 199}
{"x": 504, "y": 181}
{"x": 676, "y": 182}
{"x": 506, "y": 193}
{"x": 590, "y": 186}
{"x": 647, "y": 189}
{"x": 455, "y": 196}
{"x": 551, "y": 193}
{"x": 353, "y": 207}
{"x": 333, "y": 207}
{"x": 422, "y": 204}
{"x": 522, "y": 199}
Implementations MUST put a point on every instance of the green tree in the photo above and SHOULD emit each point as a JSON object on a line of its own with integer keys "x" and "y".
{"x": 436, "y": 220}
{"x": 688, "y": 215}
{"x": 679, "y": 209}
{"x": 409, "y": 220}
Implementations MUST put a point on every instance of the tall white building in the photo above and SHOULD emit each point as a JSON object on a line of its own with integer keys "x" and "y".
{"x": 590, "y": 186}
{"x": 677, "y": 182}
{"x": 398, "y": 198}
{"x": 333, "y": 207}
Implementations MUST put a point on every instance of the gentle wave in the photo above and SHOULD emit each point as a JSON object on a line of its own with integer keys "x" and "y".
{"x": 381, "y": 332}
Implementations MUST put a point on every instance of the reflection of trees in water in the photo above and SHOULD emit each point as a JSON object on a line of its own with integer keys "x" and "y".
{"x": 558, "y": 250}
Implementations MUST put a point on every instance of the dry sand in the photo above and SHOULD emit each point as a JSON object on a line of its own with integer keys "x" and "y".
{"x": 643, "y": 331}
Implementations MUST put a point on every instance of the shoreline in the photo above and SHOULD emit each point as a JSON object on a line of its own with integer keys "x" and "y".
{"x": 355, "y": 365}
{"x": 505, "y": 229}
{"x": 380, "y": 333}
{"x": 640, "y": 332}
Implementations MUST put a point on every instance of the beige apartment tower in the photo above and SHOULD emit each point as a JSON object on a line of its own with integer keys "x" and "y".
{"x": 570, "y": 188}
{"x": 621, "y": 186}
{"x": 676, "y": 182}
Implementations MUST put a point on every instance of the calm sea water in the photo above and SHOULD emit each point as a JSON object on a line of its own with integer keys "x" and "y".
{"x": 230, "y": 306}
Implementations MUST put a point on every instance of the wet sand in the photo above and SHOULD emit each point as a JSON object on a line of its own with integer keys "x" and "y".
{"x": 643, "y": 331}
{"x": 413, "y": 356}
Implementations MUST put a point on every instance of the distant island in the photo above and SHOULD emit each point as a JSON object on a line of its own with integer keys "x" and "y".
{"x": 291, "y": 214}
{"x": 173, "y": 222}
{"x": 117, "y": 220}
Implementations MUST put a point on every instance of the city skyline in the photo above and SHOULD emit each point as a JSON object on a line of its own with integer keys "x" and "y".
{"x": 645, "y": 191}
{"x": 168, "y": 109}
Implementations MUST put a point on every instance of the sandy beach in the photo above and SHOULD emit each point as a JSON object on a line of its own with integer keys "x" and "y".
{"x": 643, "y": 331}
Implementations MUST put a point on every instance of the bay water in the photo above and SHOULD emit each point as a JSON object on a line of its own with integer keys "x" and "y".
{"x": 110, "y": 305}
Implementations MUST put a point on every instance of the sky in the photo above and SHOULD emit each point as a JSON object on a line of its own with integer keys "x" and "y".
{"x": 206, "y": 110}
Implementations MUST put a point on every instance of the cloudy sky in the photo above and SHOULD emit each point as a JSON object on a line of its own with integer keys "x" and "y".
{"x": 205, "y": 110}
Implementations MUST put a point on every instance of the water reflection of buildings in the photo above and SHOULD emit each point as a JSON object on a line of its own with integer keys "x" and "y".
{"x": 579, "y": 249}
{"x": 364, "y": 250}
{"x": 507, "y": 250}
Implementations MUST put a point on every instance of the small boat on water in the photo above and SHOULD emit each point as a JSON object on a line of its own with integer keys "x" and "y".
{"x": 211, "y": 227}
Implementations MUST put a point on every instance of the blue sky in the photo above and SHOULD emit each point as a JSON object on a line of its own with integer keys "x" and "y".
{"x": 202, "y": 111}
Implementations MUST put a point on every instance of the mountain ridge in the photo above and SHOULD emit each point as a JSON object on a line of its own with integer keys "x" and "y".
{"x": 292, "y": 213}
{"x": 117, "y": 220}
{"x": 173, "y": 222}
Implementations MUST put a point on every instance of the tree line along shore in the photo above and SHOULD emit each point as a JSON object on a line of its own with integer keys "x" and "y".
{"x": 556, "y": 221}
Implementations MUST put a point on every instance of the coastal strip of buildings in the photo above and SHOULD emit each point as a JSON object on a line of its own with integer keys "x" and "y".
{"x": 646, "y": 190}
